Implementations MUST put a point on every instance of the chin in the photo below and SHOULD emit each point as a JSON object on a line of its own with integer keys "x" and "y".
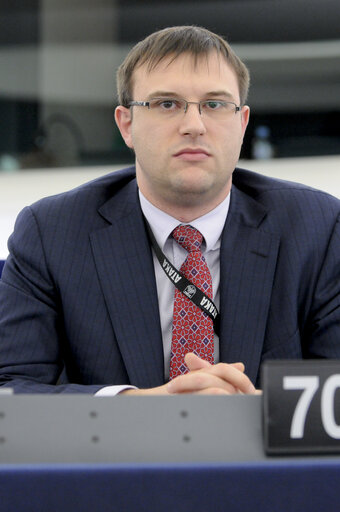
{"x": 190, "y": 196}
{"x": 195, "y": 181}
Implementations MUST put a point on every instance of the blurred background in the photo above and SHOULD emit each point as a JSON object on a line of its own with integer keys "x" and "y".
{"x": 58, "y": 60}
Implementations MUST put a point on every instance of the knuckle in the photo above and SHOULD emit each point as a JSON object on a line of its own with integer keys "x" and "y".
{"x": 218, "y": 391}
{"x": 199, "y": 380}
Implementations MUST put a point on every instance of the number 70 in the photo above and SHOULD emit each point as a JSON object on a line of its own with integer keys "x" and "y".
{"x": 310, "y": 385}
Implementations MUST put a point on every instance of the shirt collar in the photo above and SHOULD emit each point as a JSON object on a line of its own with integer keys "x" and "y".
{"x": 210, "y": 225}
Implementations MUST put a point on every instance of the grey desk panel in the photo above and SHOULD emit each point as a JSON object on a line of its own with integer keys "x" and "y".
{"x": 86, "y": 429}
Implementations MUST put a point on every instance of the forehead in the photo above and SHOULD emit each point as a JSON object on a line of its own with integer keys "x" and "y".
{"x": 186, "y": 75}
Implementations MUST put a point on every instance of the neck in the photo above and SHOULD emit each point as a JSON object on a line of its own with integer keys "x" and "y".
{"x": 188, "y": 212}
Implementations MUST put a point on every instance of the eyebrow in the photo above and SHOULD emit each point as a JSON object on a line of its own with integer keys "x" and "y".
{"x": 163, "y": 94}
{"x": 220, "y": 93}
{"x": 171, "y": 94}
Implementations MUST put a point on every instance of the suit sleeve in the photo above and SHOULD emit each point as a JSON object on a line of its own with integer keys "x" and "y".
{"x": 31, "y": 330}
{"x": 323, "y": 334}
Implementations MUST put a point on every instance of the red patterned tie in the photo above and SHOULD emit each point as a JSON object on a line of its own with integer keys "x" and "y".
{"x": 192, "y": 329}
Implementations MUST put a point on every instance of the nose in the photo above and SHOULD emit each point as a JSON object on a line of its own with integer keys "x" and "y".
{"x": 191, "y": 121}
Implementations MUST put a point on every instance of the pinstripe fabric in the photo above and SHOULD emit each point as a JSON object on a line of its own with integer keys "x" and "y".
{"x": 79, "y": 293}
{"x": 1, "y": 266}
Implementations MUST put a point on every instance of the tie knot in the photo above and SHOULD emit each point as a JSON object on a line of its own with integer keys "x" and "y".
{"x": 188, "y": 237}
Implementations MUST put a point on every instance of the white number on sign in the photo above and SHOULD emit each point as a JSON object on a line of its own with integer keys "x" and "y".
{"x": 310, "y": 385}
{"x": 327, "y": 406}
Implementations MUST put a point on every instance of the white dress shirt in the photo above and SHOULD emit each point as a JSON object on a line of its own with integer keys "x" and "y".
{"x": 162, "y": 225}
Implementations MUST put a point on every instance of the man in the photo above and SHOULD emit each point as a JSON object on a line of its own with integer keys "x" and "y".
{"x": 84, "y": 291}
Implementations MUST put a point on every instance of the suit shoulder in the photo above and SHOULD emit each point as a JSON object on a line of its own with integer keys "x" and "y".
{"x": 94, "y": 192}
{"x": 270, "y": 190}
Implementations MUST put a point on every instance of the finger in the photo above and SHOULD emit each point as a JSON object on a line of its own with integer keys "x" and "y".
{"x": 197, "y": 381}
{"x": 194, "y": 362}
{"x": 213, "y": 391}
{"x": 235, "y": 377}
{"x": 239, "y": 366}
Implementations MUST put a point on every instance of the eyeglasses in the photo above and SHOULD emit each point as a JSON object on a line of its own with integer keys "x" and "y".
{"x": 169, "y": 107}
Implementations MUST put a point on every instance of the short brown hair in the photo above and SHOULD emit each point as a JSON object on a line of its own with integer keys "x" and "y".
{"x": 175, "y": 41}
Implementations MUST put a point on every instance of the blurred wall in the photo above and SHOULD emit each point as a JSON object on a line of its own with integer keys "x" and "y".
{"x": 58, "y": 60}
{"x": 21, "y": 189}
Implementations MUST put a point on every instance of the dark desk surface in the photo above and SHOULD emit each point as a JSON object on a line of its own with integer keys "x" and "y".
{"x": 273, "y": 486}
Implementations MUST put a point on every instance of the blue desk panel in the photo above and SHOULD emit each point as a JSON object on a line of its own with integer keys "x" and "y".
{"x": 310, "y": 485}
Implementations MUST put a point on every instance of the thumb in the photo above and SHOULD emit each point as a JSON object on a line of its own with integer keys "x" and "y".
{"x": 194, "y": 362}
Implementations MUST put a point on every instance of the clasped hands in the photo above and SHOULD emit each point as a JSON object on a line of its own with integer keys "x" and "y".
{"x": 204, "y": 379}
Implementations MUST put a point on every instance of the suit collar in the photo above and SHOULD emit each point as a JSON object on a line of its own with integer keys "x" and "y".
{"x": 210, "y": 225}
{"x": 113, "y": 210}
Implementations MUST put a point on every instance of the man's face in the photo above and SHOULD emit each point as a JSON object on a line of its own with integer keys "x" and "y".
{"x": 187, "y": 159}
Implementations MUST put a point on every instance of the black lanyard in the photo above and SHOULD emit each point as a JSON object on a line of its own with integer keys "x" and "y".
{"x": 184, "y": 285}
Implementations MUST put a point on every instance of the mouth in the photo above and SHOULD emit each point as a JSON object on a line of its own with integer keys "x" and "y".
{"x": 193, "y": 155}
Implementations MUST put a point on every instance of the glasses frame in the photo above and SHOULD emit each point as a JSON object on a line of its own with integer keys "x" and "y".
{"x": 238, "y": 108}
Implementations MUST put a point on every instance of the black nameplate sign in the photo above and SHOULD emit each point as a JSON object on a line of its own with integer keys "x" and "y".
{"x": 301, "y": 406}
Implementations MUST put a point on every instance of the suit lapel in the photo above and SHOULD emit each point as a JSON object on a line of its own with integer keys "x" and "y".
{"x": 125, "y": 268}
{"x": 248, "y": 260}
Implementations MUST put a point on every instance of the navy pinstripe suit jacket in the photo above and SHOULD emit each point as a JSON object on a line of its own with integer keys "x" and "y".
{"x": 78, "y": 290}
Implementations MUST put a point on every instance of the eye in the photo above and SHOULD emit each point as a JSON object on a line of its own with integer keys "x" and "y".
{"x": 213, "y": 104}
{"x": 166, "y": 104}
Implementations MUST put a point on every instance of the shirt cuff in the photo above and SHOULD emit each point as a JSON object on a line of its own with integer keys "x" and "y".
{"x": 113, "y": 390}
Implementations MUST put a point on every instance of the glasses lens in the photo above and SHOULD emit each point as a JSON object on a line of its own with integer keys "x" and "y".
{"x": 217, "y": 108}
{"x": 166, "y": 106}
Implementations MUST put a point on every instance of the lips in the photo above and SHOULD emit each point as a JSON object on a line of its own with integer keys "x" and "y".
{"x": 192, "y": 154}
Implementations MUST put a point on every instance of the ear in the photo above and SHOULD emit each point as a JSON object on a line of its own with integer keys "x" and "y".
{"x": 123, "y": 120}
{"x": 245, "y": 113}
